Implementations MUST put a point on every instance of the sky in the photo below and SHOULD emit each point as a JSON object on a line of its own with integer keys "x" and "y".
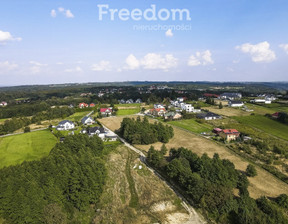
{"x": 68, "y": 41}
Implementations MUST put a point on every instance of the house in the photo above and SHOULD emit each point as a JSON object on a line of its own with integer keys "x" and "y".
{"x": 180, "y": 99}
{"x": 217, "y": 131}
{"x": 276, "y": 115}
{"x": 158, "y": 112}
{"x": 83, "y": 105}
{"x": 172, "y": 116}
{"x": 230, "y": 96}
{"x": 234, "y": 103}
{"x": 229, "y": 134}
{"x": 106, "y": 112}
{"x": 208, "y": 116}
{"x": 130, "y": 101}
{"x": 97, "y": 131}
{"x": 3, "y": 104}
{"x": 189, "y": 108}
{"x": 111, "y": 137}
{"x": 65, "y": 125}
{"x": 122, "y": 101}
{"x": 266, "y": 101}
{"x": 87, "y": 120}
{"x": 210, "y": 95}
{"x": 157, "y": 106}
{"x": 138, "y": 101}
{"x": 92, "y": 105}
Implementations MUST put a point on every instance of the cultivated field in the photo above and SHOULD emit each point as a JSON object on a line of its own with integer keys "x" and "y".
{"x": 265, "y": 124}
{"x": 25, "y": 147}
{"x": 228, "y": 111}
{"x": 134, "y": 195}
{"x": 132, "y": 111}
{"x": 263, "y": 184}
{"x": 192, "y": 125}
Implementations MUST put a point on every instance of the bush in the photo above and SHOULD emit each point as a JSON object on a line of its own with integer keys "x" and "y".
{"x": 251, "y": 171}
{"x": 27, "y": 129}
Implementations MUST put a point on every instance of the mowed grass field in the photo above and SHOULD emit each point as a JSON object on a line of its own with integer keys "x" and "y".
{"x": 265, "y": 124}
{"x": 122, "y": 112}
{"x": 77, "y": 116}
{"x": 228, "y": 111}
{"x": 263, "y": 184}
{"x": 192, "y": 125}
{"x": 25, "y": 147}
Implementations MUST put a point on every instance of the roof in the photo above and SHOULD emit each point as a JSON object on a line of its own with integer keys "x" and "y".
{"x": 236, "y": 102}
{"x": 208, "y": 114}
{"x": 102, "y": 110}
{"x": 85, "y": 118}
{"x": 95, "y": 129}
{"x": 230, "y": 131}
{"x": 217, "y": 129}
{"x": 65, "y": 121}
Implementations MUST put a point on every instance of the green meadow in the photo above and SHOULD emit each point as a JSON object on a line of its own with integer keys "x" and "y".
{"x": 25, "y": 147}
{"x": 192, "y": 125}
{"x": 122, "y": 112}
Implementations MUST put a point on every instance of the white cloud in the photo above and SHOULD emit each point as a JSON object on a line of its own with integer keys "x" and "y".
{"x": 260, "y": 52}
{"x": 284, "y": 47}
{"x": 69, "y": 14}
{"x": 151, "y": 61}
{"x": 6, "y": 36}
{"x": 101, "y": 66}
{"x": 36, "y": 66}
{"x": 200, "y": 58}
{"x": 132, "y": 62}
{"x": 53, "y": 13}
{"x": 77, "y": 69}
{"x": 66, "y": 12}
{"x": 7, "y": 66}
{"x": 169, "y": 33}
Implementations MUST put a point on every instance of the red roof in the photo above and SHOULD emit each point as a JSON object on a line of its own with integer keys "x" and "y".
{"x": 102, "y": 110}
{"x": 275, "y": 114}
{"x": 230, "y": 131}
{"x": 158, "y": 109}
{"x": 211, "y": 95}
{"x": 92, "y": 104}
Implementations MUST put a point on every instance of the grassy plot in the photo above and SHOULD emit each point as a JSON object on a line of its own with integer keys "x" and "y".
{"x": 134, "y": 195}
{"x": 77, "y": 116}
{"x": 128, "y": 105}
{"x": 192, "y": 125}
{"x": 265, "y": 124}
{"x": 3, "y": 120}
{"x": 122, "y": 112}
{"x": 25, "y": 147}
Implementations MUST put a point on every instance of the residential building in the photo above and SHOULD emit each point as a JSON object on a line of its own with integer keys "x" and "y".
{"x": 229, "y": 134}
{"x": 83, "y": 105}
{"x": 172, "y": 116}
{"x": 208, "y": 116}
{"x": 100, "y": 131}
{"x": 158, "y": 112}
{"x": 234, "y": 103}
{"x": 157, "y": 106}
{"x": 230, "y": 96}
{"x": 106, "y": 112}
{"x": 3, "y": 104}
{"x": 87, "y": 120}
{"x": 65, "y": 125}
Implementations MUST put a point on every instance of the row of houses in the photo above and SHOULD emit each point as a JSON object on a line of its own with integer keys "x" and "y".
{"x": 85, "y": 105}
{"x": 130, "y": 101}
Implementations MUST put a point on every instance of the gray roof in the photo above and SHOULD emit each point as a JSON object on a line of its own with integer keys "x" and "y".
{"x": 235, "y": 102}
{"x": 65, "y": 121}
{"x": 208, "y": 114}
{"x": 95, "y": 129}
{"x": 84, "y": 119}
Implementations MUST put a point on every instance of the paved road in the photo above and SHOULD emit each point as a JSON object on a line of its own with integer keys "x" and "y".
{"x": 194, "y": 216}
{"x": 39, "y": 129}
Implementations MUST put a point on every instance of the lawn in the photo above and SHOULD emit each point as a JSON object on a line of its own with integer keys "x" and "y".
{"x": 25, "y": 147}
{"x": 128, "y": 105}
{"x": 192, "y": 125}
{"x": 77, "y": 116}
{"x": 122, "y": 112}
{"x": 265, "y": 124}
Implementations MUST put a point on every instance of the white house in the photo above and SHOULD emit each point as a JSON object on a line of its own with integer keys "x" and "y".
{"x": 235, "y": 103}
{"x": 189, "y": 108}
{"x": 65, "y": 125}
{"x": 101, "y": 132}
{"x": 230, "y": 96}
{"x": 158, "y": 106}
{"x": 87, "y": 120}
{"x": 208, "y": 116}
{"x": 3, "y": 104}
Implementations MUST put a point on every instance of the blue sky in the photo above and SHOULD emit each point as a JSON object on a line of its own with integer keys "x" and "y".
{"x": 44, "y": 42}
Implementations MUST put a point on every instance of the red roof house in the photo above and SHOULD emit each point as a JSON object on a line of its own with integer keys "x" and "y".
{"x": 83, "y": 105}
{"x": 229, "y": 134}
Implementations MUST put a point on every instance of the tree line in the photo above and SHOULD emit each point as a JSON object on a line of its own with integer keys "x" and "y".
{"x": 142, "y": 132}
{"x": 210, "y": 184}
{"x": 51, "y": 190}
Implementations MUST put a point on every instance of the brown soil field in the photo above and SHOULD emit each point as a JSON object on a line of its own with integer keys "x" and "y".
{"x": 263, "y": 184}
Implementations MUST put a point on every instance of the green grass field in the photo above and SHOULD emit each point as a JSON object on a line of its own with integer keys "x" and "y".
{"x": 25, "y": 147}
{"x": 267, "y": 108}
{"x": 192, "y": 125}
{"x": 265, "y": 124}
{"x": 128, "y": 105}
{"x": 127, "y": 111}
{"x": 77, "y": 116}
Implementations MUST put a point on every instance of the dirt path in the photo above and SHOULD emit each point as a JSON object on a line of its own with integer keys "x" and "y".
{"x": 263, "y": 184}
